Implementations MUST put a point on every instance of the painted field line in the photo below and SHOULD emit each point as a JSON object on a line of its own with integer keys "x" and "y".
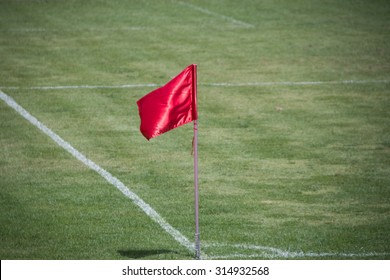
{"x": 271, "y": 252}
{"x": 208, "y": 12}
{"x": 250, "y": 84}
{"x": 307, "y": 83}
{"x": 83, "y": 87}
{"x": 102, "y": 172}
{"x": 87, "y": 29}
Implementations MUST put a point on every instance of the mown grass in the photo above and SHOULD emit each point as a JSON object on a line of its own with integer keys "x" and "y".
{"x": 301, "y": 168}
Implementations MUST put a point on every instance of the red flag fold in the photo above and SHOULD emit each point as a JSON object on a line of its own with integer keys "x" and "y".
{"x": 169, "y": 106}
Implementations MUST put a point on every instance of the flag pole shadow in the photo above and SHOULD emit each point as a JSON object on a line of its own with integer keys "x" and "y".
{"x": 141, "y": 254}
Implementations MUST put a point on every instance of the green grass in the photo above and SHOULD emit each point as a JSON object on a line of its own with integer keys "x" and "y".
{"x": 300, "y": 168}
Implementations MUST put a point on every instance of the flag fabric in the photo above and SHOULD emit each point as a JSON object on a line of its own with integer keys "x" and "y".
{"x": 169, "y": 106}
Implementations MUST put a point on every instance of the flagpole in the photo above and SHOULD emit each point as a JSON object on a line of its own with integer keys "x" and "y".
{"x": 196, "y": 190}
{"x": 197, "y": 237}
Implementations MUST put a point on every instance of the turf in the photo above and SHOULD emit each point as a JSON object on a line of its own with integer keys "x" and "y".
{"x": 304, "y": 169}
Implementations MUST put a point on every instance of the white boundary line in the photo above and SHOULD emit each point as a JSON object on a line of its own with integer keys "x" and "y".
{"x": 82, "y": 87}
{"x": 102, "y": 172}
{"x": 42, "y": 30}
{"x": 208, "y": 12}
{"x": 249, "y": 84}
{"x": 308, "y": 83}
{"x": 270, "y": 252}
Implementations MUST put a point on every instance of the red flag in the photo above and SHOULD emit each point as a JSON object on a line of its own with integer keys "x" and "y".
{"x": 169, "y": 106}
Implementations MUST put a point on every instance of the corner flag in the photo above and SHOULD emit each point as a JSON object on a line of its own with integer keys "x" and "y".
{"x": 168, "y": 107}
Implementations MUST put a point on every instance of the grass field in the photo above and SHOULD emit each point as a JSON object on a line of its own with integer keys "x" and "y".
{"x": 294, "y": 129}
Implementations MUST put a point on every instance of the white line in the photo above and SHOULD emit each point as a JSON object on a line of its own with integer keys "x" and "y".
{"x": 250, "y": 84}
{"x": 208, "y": 12}
{"x": 270, "y": 252}
{"x": 308, "y": 83}
{"x": 92, "y": 29}
{"x": 302, "y": 255}
{"x": 24, "y": 30}
{"x": 102, "y": 172}
{"x": 83, "y": 87}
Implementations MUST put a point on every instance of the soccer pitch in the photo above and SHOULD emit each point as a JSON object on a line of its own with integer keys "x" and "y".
{"x": 294, "y": 130}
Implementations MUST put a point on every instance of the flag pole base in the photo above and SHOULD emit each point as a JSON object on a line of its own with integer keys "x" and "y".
{"x": 197, "y": 246}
